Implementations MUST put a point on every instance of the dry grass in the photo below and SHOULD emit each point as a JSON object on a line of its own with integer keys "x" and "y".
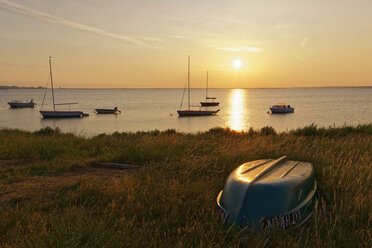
{"x": 170, "y": 202}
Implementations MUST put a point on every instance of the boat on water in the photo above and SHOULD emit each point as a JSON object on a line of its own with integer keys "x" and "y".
{"x": 108, "y": 111}
{"x": 281, "y": 108}
{"x": 268, "y": 193}
{"x": 197, "y": 112}
{"x": 20, "y": 104}
{"x": 62, "y": 114}
{"x": 189, "y": 112}
{"x": 58, "y": 114}
{"x": 209, "y": 101}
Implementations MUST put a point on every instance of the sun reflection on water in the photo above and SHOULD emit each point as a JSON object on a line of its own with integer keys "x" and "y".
{"x": 237, "y": 111}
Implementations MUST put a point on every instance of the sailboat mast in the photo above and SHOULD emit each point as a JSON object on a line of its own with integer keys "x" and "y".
{"x": 188, "y": 82}
{"x": 206, "y": 89}
{"x": 51, "y": 81}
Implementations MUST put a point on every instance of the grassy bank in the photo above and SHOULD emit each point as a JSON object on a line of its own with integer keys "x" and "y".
{"x": 170, "y": 202}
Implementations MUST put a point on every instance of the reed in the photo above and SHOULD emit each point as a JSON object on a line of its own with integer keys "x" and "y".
{"x": 49, "y": 197}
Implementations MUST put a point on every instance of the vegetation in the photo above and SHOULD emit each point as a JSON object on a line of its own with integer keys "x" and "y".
{"x": 52, "y": 194}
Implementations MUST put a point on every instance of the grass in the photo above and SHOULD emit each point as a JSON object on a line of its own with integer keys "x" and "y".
{"x": 170, "y": 202}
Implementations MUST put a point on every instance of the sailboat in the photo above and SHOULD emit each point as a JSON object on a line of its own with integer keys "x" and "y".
{"x": 188, "y": 111}
{"x": 59, "y": 114}
{"x": 208, "y": 103}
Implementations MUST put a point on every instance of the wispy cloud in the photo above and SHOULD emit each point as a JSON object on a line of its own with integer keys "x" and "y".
{"x": 25, "y": 11}
{"x": 305, "y": 41}
{"x": 176, "y": 37}
{"x": 248, "y": 49}
{"x": 149, "y": 38}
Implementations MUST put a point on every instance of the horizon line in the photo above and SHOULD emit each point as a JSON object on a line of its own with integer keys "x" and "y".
{"x": 112, "y": 88}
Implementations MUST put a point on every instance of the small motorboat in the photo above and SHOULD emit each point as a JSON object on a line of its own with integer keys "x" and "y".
{"x": 20, "y": 104}
{"x": 268, "y": 193}
{"x": 281, "y": 108}
{"x": 108, "y": 111}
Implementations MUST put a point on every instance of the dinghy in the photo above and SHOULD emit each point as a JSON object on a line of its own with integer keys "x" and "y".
{"x": 268, "y": 193}
{"x": 108, "y": 111}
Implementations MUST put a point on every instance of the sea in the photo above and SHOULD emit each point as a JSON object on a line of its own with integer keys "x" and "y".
{"x": 150, "y": 109}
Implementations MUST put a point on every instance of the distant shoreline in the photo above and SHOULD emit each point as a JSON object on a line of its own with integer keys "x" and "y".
{"x": 4, "y": 87}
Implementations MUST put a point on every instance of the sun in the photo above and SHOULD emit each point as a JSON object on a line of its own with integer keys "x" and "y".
{"x": 237, "y": 63}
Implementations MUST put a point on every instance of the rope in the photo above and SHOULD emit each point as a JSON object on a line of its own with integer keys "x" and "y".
{"x": 46, "y": 88}
{"x": 183, "y": 95}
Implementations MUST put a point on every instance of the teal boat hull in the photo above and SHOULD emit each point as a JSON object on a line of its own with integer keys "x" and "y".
{"x": 268, "y": 193}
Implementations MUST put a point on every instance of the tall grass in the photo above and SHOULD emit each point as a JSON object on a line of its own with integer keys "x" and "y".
{"x": 170, "y": 202}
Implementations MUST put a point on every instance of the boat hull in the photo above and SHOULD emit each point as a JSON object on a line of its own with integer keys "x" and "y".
{"x": 295, "y": 217}
{"x": 62, "y": 114}
{"x": 107, "y": 111}
{"x": 21, "y": 104}
{"x": 268, "y": 193}
{"x": 281, "y": 110}
{"x": 207, "y": 104}
{"x": 183, "y": 113}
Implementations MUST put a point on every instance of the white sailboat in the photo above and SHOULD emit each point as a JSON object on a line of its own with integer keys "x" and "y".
{"x": 188, "y": 111}
{"x": 58, "y": 114}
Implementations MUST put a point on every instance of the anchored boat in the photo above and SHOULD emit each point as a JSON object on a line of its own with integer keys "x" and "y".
{"x": 281, "y": 108}
{"x": 188, "y": 111}
{"x": 268, "y": 193}
{"x": 20, "y": 104}
{"x": 211, "y": 102}
{"x": 108, "y": 111}
{"x": 58, "y": 114}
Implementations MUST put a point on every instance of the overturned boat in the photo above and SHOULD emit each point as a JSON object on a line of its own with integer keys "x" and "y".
{"x": 268, "y": 193}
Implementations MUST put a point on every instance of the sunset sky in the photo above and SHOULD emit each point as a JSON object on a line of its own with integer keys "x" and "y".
{"x": 145, "y": 43}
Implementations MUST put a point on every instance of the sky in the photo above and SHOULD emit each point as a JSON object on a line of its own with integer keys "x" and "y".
{"x": 145, "y": 43}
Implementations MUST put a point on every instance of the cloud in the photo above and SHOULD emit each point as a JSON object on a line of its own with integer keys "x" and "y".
{"x": 149, "y": 38}
{"x": 176, "y": 37}
{"x": 248, "y": 49}
{"x": 25, "y": 11}
{"x": 305, "y": 41}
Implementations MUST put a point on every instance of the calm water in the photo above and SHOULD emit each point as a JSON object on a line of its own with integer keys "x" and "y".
{"x": 149, "y": 109}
